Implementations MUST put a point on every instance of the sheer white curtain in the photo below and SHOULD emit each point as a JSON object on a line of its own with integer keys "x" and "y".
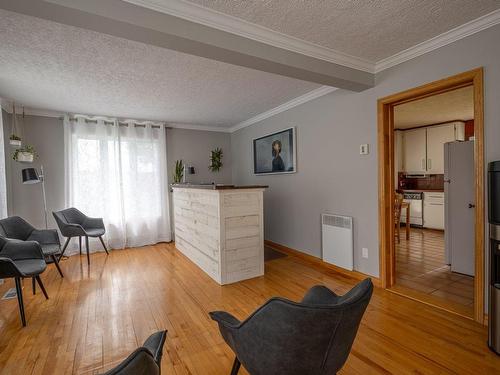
{"x": 3, "y": 184}
{"x": 119, "y": 172}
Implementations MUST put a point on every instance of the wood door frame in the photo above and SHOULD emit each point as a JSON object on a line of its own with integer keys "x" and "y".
{"x": 386, "y": 175}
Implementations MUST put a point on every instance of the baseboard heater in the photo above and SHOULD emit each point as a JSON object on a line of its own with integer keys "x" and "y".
{"x": 337, "y": 240}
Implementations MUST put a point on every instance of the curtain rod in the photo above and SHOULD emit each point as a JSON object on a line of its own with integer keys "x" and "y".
{"x": 120, "y": 123}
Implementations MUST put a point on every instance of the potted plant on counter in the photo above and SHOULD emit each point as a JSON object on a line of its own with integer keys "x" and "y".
{"x": 25, "y": 155}
{"x": 15, "y": 140}
{"x": 178, "y": 172}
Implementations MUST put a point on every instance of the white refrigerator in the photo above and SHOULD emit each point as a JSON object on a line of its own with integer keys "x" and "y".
{"x": 459, "y": 217}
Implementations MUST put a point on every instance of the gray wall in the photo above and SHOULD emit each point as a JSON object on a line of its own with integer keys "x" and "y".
{"x": 193, "y": 148}
{"x": 332, "y": 176}
{"x": 46, "y": 134}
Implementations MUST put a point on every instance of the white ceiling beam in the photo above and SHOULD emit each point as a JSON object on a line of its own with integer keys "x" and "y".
{"x": 133, "y": 22}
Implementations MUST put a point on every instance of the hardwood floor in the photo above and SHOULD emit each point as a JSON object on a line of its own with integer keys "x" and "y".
{"x": 95, "y": 319}
{"x": 420, "y": 267}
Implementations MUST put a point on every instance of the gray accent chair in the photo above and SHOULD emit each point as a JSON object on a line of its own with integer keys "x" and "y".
{"x": 145, "y": 360}
{"x": 19, "y": 229}
{"x": 19, "y": 260}
{"x": 282, "y": 337}
{"x": 73, "y": 223}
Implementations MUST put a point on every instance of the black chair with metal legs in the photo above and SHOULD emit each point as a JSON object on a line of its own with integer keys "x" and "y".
{"x": 145, "y": 360}
{"x": 310, "y": 337}
{"x": 19, "y": 260}
{"x": 17, "y": 228}
{"x": 73, "y": 223}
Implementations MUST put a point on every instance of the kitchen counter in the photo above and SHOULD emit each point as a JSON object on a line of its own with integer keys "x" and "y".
{"x": 422, "y": 190}
{"x": 218, "y": 186}
{"x": 221, "y": 229}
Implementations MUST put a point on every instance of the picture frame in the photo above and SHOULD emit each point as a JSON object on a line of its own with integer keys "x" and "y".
{"x": 275, "y": 153}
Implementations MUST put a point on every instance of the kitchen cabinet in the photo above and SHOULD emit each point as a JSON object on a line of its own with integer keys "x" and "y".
{"x": 415, "y": 151}
{"x": 437, "y": 136}
{"x": 423, "y": 148}
{"x": 433, "y": 210}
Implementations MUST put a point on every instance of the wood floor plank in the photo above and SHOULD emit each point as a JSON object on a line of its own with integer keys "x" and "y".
{"x": 95, "y": 318}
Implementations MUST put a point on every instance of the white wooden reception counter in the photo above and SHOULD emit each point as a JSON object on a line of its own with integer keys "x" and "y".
{"x": 221, "y": 229}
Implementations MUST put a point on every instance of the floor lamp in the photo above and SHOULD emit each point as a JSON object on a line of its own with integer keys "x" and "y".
{"x": 31, "y": 176}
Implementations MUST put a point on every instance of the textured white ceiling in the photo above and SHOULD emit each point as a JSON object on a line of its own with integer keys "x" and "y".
{"x": 52, "y": 66}
{"x": 369, "y": 29}
{"x": 453, "y": 105}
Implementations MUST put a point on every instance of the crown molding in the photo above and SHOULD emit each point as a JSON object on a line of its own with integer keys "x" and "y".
{"x": 219, "y": 129}
{"x": 224, "y": 22}
{"x": 448, "y": 37}
{"x": 323, "y": 90}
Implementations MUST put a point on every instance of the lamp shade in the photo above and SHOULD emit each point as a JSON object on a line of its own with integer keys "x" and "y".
{"x": 30, "y": 176}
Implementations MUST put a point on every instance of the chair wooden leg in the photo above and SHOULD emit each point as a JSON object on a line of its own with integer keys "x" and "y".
{"x": 33, "y": 285}
{"x": 236, "y": 366}
{"x": 41, "y": 286}
{"x": 64, "y": 247}
{"x": 80, "y": 243}
{"x": 88, "y": 249}
{"x": 103, "y": 245}
{"x": 19, "y": 290}
{"x": 56, "y": 262}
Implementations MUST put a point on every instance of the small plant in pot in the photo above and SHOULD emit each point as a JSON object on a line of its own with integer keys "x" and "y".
{"x": 15, "y": 140}
{"x": 25, "y": 155}
{"x": 178, "y": 171}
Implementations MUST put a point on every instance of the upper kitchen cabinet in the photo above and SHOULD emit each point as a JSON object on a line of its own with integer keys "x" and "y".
{"x": 414, "y": 151}
{"x": 437, "y": 136}
{"x": 423, "y": 148}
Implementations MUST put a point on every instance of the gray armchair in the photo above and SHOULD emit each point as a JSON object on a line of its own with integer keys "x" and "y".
{"x": 313, "y": 337}
{"x": 145, "y": 360}
{"x": 18, "y": 260}
{"x": 17, "y": 228}
{"x": 73, "y": 223}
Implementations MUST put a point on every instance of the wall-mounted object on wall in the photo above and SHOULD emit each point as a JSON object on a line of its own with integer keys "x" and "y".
{"x": 31, "y": 176}
{"x": 15, "y": 134}
{"x": 216, "y": 160}
{"x": 275, "y": 153}
{"x": 178, "y": 172}
{"x": 25, "y": 155}
{"x": 188, "y": 169}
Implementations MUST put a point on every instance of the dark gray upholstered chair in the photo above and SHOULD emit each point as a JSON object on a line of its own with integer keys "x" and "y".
{"x": 21, "y": 259}
{"x": 313, "y": 337}
{"x": 73, "y": 223}
{"x": 17, "y": 228}
{"x": 145, "y": 360}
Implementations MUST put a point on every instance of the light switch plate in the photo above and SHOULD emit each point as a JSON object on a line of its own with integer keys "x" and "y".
{"x": 364, "y": 252}
{"x": 364, "y": 149}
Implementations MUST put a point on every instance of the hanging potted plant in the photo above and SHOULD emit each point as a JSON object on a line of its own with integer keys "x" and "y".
{"x": 15, "y": 140}
{"x": 215, "y": 160}
{"x": 178, "y": 172}
{"x": 25, "y": 155}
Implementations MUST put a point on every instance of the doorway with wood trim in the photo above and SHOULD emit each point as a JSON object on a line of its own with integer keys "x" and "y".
{"x": 471, "y": 81}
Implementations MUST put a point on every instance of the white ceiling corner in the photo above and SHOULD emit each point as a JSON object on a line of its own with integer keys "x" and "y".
{"x": 284, "y": 107}
{"x": 459, "y": 32}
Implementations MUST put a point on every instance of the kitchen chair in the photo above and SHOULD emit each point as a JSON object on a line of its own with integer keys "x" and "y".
{"x": 73, "y": 223}
{"x": 17, "y": 228}
{"x": 398, "y": 202}
{"x": 311, "y": 337}
{"x": 19, "y": 260}
{"x": 145, "y": 360}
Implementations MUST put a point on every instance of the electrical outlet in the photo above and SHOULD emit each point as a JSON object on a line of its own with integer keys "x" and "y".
{"x": 364, "y": 149}
{"x": 364, "y": 252}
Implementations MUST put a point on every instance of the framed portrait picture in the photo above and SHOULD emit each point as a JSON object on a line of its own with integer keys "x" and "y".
{"x": 275, "y": 153}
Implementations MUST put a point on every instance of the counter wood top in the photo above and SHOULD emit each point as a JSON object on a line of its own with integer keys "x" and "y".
{"x": 218, "y": 187}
